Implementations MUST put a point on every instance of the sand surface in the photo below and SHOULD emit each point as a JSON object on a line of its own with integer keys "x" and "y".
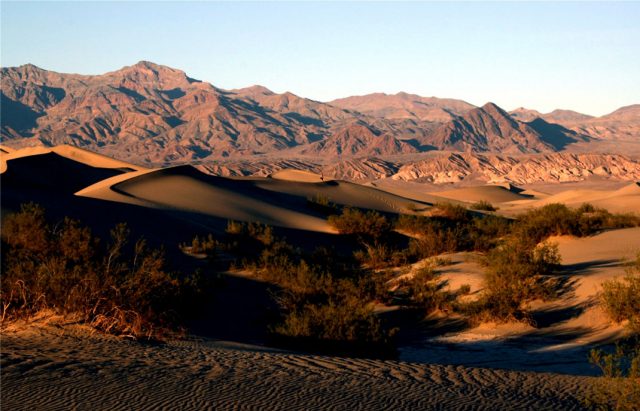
{"x": 73, "y": 153}
{"x": 64, "y": 368}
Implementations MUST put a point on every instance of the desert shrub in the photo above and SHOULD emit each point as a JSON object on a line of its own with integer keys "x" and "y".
{"x": 516, "y": 273}
{"x": 483, "y": 206}
{"x": 450, "y": 211}
{"x": 620, "y": 297}
{"x": 426, "y": 292}
{"x": 113, "y": 287}
{"x": 246, "y": 240}
{"x": 323, "y": 297}
{"x": 619, "y": 386}
{"x": 205, "y": 245}
{"x": 558, "y": 219}
{"x": 485, "y": 232}
{"x": 433, "y": 242}
{"x": 367, "y": 226}
{"x": 321, "y": 203}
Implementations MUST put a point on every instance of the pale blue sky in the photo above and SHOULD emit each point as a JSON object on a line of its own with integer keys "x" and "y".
{"x": 581, "y": 56}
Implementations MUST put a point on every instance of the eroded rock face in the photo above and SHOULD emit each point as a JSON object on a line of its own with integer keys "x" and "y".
{"x": 555, "y": 167}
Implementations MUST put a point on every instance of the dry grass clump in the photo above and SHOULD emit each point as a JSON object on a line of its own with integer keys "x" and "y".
{"x": 115, "y": 287}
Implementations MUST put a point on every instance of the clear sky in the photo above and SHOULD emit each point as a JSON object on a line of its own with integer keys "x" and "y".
{"x": 580, "y": 56}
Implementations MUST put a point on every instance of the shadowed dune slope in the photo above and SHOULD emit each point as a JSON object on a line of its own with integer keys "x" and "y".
{"x": 185, "y": 188}
{"x": 73, "y": 153}
{"x": 271, "y": 201}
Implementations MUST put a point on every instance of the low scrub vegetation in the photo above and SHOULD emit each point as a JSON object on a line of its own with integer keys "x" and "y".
{"x": 620, "y": 297}
{"x": 322, "y": 204}
{"x": 483, "y": 206}
{"x": 326, "y": 300}
{"x": 516, "y": 273}
{"x": 558, "y": 219}
{"x": 369, "y": 226}
{"x": 619, "y": 386}
{"x": 117, "y": 287}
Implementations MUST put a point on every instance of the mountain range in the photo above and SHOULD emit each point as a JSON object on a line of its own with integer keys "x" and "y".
{"x": 156, "y": 115}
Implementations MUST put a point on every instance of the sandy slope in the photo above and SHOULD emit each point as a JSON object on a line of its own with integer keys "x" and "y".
{"x": 50, "y": 368}
{"x": 491, "y": 193}
{"x": 73, "y": 153}
{"x": 272, "y": 201}
{"x": 298, "y": 175}
{"x": 566, "y": 328}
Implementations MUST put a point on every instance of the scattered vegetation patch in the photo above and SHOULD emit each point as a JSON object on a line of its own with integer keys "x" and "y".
{"x": 205, "y": 245}
{"x": 619, "y": 386}
{"x": 369, "y": 226}
{"x": 483, "y": 206}
{"x": 620, "y": 297}
{"x": 516, "y": 273}
{"x": 558, "y": 219}
{"x": 117, "y": 287}
{"x": 322, "y": 203}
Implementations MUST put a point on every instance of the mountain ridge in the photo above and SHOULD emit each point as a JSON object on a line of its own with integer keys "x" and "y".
{"x": 152, "y": 114}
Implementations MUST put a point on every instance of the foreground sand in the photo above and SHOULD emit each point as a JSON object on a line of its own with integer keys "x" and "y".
{"x": 47, "y": 368}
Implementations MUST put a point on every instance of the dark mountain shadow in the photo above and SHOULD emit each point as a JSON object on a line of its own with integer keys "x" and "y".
{"x": 307, "y": 121}
{"x": 419, "y": 146}
{"x": 57, "y": 93}
{"x": 554, "y": 134}
{"x": 173, "y": 93}
{"x": 173, "y": 121}
{"x": 131, "y": 93}
{"x": 16, "y": 115}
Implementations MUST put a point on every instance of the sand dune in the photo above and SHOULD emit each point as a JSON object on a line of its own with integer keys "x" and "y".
{"x": 298, "y": 175}
{"x": 185, "y": 188}
{"x": 271, "y": 201}
{"x": 490, "y": 193}
{"x": 73, "y": 153}
{"x": 626, "y": 199}
{"x": 51, "y": 368}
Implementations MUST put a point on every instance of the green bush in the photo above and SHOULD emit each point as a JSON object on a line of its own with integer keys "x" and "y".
{"x": 113, "y": 287}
